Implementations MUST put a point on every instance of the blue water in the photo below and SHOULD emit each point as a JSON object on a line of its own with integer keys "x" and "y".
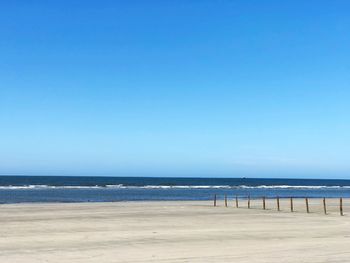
{"x": 18, "y": 189}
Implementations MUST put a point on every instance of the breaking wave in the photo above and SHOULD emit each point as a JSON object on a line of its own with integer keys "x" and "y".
{"x": 121, "y": 186}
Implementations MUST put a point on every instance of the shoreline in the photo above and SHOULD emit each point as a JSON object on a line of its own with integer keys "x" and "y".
{"x": 220, "y": 198}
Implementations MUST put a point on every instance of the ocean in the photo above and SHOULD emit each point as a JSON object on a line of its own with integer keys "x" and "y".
{"x": 22, "y": 189}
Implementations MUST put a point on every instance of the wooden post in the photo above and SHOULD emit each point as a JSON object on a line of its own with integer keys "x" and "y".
{"x": 278, "y": 204}
{"x": 264, "y": 203}
{"x": 248, "y": 201}
{"x": 341, "y": 206}
{"x": 324, "y": 206}
{"x": 225, "y": 200}
{"x": 307, "y": 205}
{"x": 236, "y": 201}
{"x": 291, "y": 205}
{"x": 214, "y": 200}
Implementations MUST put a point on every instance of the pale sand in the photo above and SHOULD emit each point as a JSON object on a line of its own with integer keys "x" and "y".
{"x": 172, "y": 232}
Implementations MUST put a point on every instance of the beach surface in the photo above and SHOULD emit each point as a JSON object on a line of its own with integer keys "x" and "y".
{"x": 174, "y": 232}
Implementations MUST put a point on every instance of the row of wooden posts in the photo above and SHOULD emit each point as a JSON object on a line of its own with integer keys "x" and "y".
{"x": 290, "y": 202}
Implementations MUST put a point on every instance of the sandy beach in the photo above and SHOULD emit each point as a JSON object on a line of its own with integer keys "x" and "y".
{"x": 174, "y": 232}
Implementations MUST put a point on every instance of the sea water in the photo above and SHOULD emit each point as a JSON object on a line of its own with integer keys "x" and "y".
{"x": 19, "y": 189}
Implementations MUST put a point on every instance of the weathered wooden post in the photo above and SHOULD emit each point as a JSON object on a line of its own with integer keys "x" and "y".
{"x": 248, "y": 201}
{"x": 341, "y": 206}
{"x": 264, "y": 203}
{"x": 225, "y": 200}
{"x": 278, "y": 204}
{"x": 236, "y": 201}
{"x": 214, "y": 200}
{"x": 307, "y": 205}
{"x": 291, "y": 205}
{"x": 324, "y": 206}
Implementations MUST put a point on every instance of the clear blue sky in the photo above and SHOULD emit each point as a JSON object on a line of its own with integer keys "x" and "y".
{"x": 175, "y": 88}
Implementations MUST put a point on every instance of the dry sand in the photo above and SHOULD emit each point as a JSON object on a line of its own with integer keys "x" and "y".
{"x": 173, "y": 232}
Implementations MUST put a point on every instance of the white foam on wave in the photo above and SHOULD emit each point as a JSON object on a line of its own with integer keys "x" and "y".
{"x": 294, "y": 187}
{"x": 14, "y": 187}
{"x": 170, "y": 186}
{"x": 121, "y": 186}
{"x": 229, "y": 186}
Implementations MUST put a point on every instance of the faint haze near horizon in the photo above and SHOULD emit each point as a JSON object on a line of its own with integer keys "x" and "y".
{"x": 175, "y": 88}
